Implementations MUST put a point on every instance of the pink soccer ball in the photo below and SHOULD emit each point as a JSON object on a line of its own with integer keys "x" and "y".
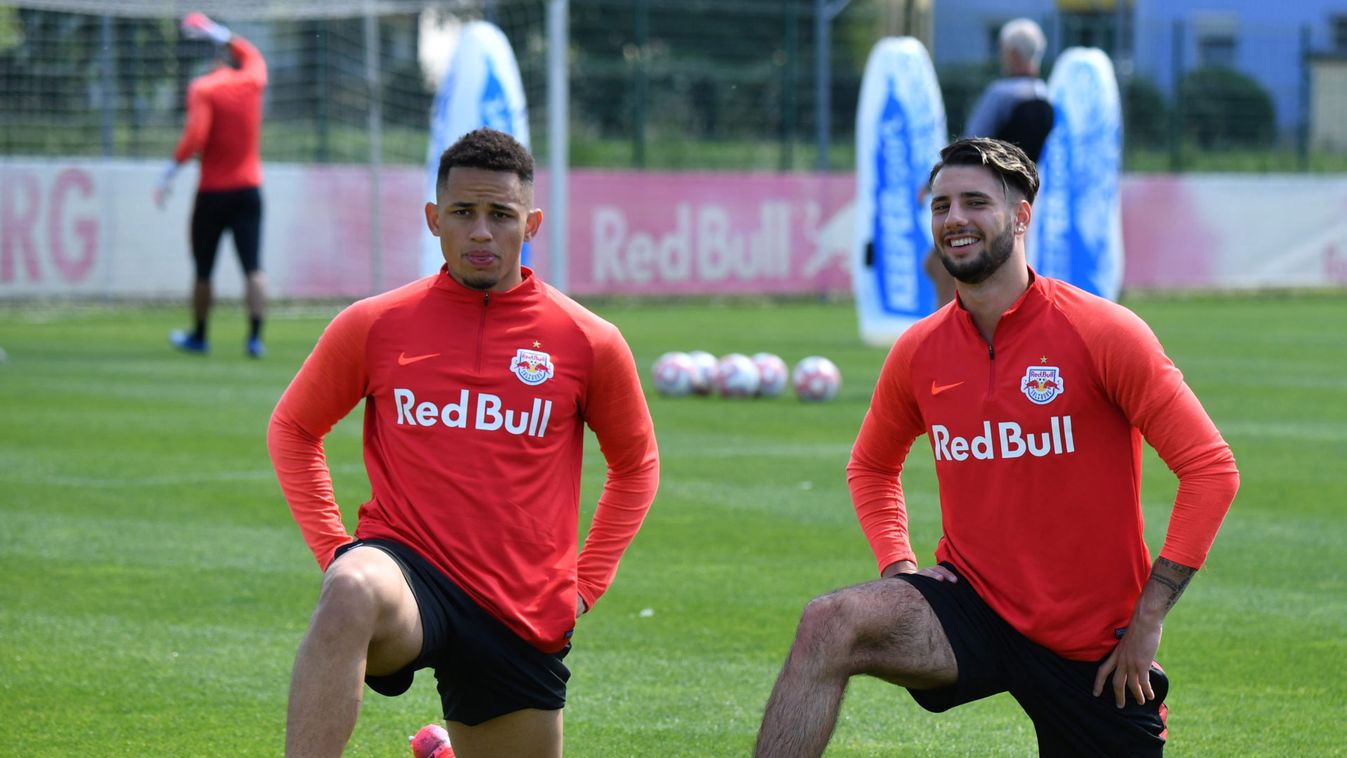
{"x": 431, "y": 741}
{"x": 736, "y": 376}
{"x": 772, "y": 374}
{"x": 704, "y": 376}
{"x": 674, "y": 374}
{"x": 816, "y": 379}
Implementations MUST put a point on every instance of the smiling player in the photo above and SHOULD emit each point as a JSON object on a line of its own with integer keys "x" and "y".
{"x": 478, "y": 383}
{"x": 1036, "y": 397}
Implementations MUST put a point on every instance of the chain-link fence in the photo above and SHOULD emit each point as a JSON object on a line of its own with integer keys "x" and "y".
{"x": 114, "y": 83}
{"x": 692, "y": 84}
{"x": 689, "y": 84}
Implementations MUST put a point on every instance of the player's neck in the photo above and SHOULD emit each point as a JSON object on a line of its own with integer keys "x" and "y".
{"x": 988, "y": 299}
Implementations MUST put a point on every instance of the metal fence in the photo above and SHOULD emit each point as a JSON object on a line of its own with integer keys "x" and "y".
{"x": 692, "y": 84}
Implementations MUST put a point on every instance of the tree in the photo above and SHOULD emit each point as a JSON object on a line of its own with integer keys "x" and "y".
{"x": 1145, "y": 114}
{"x": 1223, "y": 108}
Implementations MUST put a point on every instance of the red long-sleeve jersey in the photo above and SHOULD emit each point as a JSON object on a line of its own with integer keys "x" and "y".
{"x": 475, "y": 408}
{"x": 224, "y": 122}
{"x": 1037, "y": 442}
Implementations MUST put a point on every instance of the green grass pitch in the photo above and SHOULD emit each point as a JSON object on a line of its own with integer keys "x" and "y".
{"x": 154, "y": 587}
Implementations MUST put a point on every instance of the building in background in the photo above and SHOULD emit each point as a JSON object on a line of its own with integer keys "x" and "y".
{"x": 1160, "y": 42}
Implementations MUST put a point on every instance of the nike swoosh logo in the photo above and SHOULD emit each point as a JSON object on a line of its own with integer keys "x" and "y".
{"x": 403, "y": 360}
{"x": 936, "y": 389}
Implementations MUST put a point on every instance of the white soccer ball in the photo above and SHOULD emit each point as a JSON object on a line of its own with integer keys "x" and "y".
{"x": 816, "y": 379}
{"x": 704, "y": 376}
{"x": 737, "y": 376}
{"x": 772, "y": 374}
{"x": 673, "y": 373}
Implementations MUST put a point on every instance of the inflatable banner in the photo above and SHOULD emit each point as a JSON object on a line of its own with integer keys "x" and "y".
{"x": 481, "y": 88}
{"x": 900, "y": 128}
{"x": 1077, "y": 230}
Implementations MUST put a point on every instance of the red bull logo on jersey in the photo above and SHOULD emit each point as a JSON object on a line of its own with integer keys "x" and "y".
{"x": 533, "y": 367}
{"x": 1042, "y": 384}
{"x": 482, "y": 412}
{"x": 1010, "y": 440}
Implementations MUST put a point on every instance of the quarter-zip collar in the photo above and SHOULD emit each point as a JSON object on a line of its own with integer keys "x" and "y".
{"x": 1030, "y": 303}
{"x": 526, "y": 288}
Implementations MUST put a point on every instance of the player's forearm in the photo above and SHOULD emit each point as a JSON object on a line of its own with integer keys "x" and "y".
{"x": 874, "y": 471}
{"x": 1162, "y": 590}
{"x": 321, "y": 527}
{"x": 878, "y": 500}
{"x": 249, "y": 57}
{"x": 301, "y": 468}
{"x": 195, "y": 130}
{"x": 621, "y": 510}
{"x": 620, "y": 419}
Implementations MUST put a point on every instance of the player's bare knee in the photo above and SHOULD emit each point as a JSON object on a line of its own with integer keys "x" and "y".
{"x": 354, "y": 588}
{"x": 827, "y": 625}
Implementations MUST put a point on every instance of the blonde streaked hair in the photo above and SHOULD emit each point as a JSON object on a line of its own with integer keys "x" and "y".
{"x": 1005, "y": 159}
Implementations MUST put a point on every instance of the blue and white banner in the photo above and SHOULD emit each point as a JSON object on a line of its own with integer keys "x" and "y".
{"x": 900, "y": 129}
{"x": 481, "y": 88}
{"x": 1077, "y": 229}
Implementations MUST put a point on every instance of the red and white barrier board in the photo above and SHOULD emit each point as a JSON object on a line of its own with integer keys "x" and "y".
{"x": 691, "y": 234}
{"x": 1234, "y": 231}
{"x": 90, "y": 229}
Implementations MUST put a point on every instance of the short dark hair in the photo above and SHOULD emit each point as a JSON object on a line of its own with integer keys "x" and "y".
{"x": 486, "y": 149}
{"x": 1005, "y": 159}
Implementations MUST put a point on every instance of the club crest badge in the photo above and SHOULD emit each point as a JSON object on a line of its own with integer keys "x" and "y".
{"x": 533, "y": 367}
{"x": 1042, "y": 384}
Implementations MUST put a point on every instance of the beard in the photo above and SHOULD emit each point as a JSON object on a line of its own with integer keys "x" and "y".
{"x": 471, "y": 276}
{"x": 995, "y": 252}
{"x": 479, "y": 281}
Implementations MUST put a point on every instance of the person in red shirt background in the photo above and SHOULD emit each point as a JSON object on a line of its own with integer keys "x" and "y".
{"x": 478, "y": 383}
{"x": 1035, "y": 396}
{"x": 224, "y": 128}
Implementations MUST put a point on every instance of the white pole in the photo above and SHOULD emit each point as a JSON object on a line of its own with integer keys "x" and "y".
{"x": 558, "y": 140}
{"x": 375, "y": 124}
{"x": 824, "y": 13}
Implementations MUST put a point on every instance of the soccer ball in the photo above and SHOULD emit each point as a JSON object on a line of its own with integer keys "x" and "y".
{"x": 816, "y": 379}
{"x": 772, "y": 374}
{"x": 431, "y": 741}
{"x": 704, "y": 375}
{"x": 737, "y": 376}
{"x": 674, "y": 373}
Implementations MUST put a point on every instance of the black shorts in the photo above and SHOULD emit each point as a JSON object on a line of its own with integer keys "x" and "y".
{"x": 483, "y": 669}
{"x": 1055, "y": 692}
{"x": 239, "y": 211}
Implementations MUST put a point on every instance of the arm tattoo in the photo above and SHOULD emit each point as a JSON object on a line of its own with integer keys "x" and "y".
{"x": 1174, "y": 576}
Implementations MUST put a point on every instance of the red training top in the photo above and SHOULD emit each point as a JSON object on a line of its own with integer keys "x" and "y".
{"x": 1037, "y": 443}
{"x": 475, "y": 408}
{"x": 224, "y": 122}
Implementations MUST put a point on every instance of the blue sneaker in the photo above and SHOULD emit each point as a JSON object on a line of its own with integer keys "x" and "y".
{"x": 254, "y": 348}
{"x": 187, "y": 343}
